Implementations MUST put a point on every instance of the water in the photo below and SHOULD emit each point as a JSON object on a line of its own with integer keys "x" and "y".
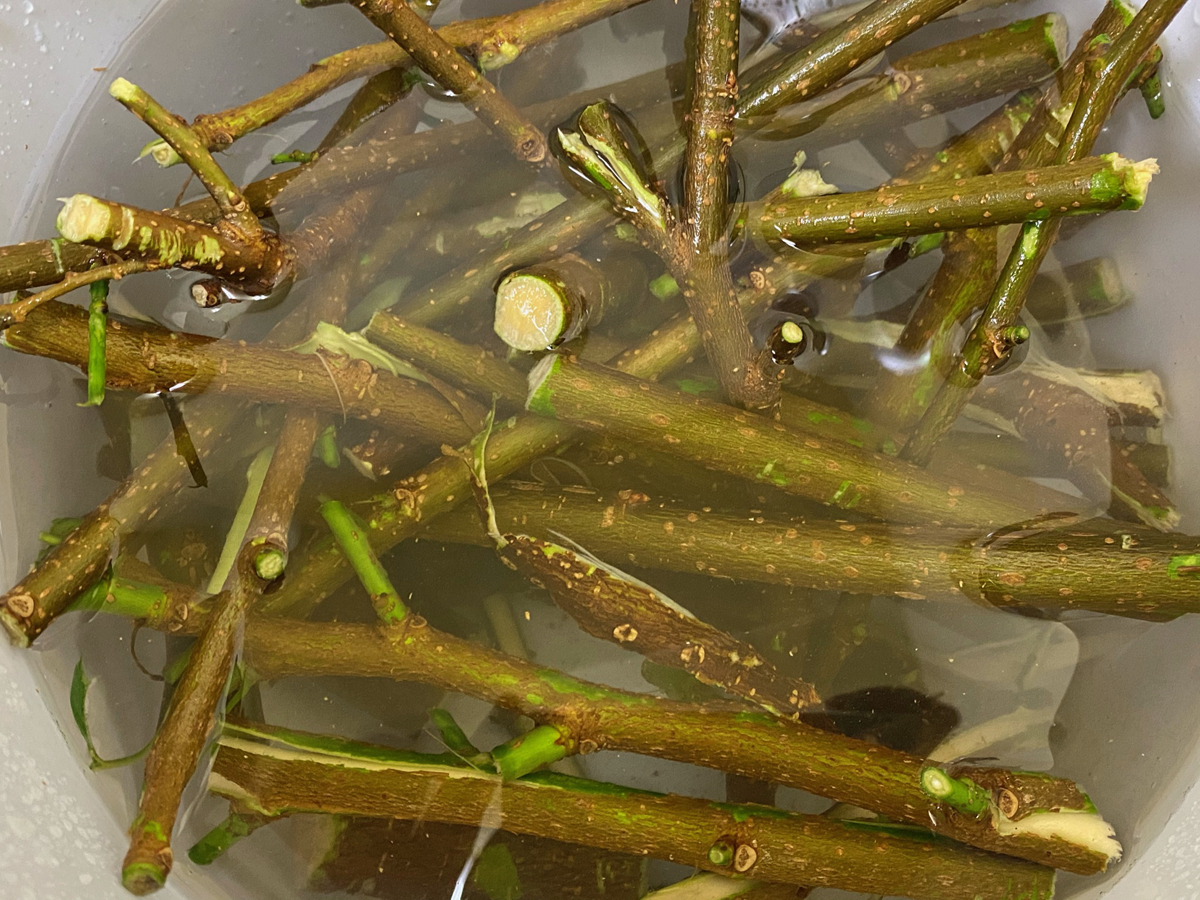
{"x": 1052, "y": 692}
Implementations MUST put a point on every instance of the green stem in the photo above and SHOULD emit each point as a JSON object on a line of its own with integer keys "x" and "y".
{"x": 192, "y": 151}
{"x": 1103, "y": 82}
{"x": 495, "y": 41}
{"x": 453, "y": 736}
{"x": 1151, "y": 90}
{"x": 378, "y": 93}
{"x": 713, "y": 102}
{"x": 150, "y": 359}
{"x": 236, "y": 825}
{"x": 767, "y": 843}
{"x": 1090, "y": 185}
{"x": 349, "y": 535}
{"x": 751, "y": 744}
{"x": 455, "y": 73}
{"x": 327, "y": 447}
{"x": 836, "y": 53}
{"x": 541, "y": 746}
{"x": 748, "y": 743}
{"x": 97, "y": 324}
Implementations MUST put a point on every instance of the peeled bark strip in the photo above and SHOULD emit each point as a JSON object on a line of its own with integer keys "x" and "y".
{"x": 541, "y": 306}
{"x": 1100, "y": 566}
{"x": 456, "y": 74}
{"x": 1096, "y": 184}
{"x": 149, "y": 359}
{"x": 722, "y": 438}
{"x": 758, "y": 842}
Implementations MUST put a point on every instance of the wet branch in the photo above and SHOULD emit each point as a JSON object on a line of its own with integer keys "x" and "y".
{"x": 757, "y": 842}
{"x": 456, "y": 74}
{"x": 150, "y": 359}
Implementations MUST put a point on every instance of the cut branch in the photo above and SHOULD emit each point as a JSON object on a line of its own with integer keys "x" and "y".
{"x": 758, "y": 842}
{"x": 544, "y": 305}
{"x": 1098, "y": 566}
{"x": 1091, "y": 185}
{"x": 752, "y": 744}
{"x": 149, "y": 359}
{"x": 722, "y": 438}
{"x": 456, "y": 74}
{"x": 996, "y": 333}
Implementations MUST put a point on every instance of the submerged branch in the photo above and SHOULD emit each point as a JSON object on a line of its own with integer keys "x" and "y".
{"x": 456, "y": 74}
{"x": 757, "y": 842}
{"x": 149, "y": 359}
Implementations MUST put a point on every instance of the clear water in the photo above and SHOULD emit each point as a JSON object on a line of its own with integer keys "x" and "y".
{"x": 1091, "y": 687}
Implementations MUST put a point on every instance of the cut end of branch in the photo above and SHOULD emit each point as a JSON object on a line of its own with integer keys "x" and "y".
{"x": 124, "y": 91}
{"x": 1137, "y": 177}
{"x": 530, "y": 313}
{"x": 15, "y": 628}
{"x": 269, "y": 563}
{"x": 142, "y": 878}
{"x": 83, "y": 218}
